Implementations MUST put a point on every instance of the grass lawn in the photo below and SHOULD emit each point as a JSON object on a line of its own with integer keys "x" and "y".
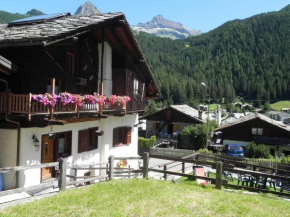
{"x": 213, "y": 107}
{"x": 279, "y": 105}
{"x": 139, "y": 197}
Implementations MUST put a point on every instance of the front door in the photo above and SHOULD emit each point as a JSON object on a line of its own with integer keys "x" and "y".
{"x": 46, "y": 157}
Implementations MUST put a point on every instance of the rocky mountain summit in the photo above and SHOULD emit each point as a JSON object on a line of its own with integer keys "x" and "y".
{"x": 166, "y": 28}
{"x": 87, "y": 9}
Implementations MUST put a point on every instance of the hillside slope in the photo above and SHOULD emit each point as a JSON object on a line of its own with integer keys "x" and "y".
{"x": 249, "y": 58}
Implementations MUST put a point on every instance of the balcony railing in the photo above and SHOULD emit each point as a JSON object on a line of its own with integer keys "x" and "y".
{"x": 23, "y": 104}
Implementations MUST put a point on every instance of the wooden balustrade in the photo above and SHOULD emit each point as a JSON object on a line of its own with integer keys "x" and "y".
{"x": 2, "y": 102}
{"x": 23, "y": 104}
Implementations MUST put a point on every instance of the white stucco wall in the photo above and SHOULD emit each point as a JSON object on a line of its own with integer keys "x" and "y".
{"x": 241, "y": 143}
{"x": 107, "y": 68}
{"x": 107, "y": 139}
{"x": 8, "y": 148}
{"x": 29, "y": 156}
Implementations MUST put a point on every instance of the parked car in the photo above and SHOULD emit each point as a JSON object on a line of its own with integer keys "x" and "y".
{"x": 233, "y": 150}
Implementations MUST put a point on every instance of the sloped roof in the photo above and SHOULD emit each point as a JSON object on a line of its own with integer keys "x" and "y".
{"x": 254, "y": 116}
{"x": 184, "y": 109}
{"x": 63, "y": 28}
{"x": 52, "y": 29}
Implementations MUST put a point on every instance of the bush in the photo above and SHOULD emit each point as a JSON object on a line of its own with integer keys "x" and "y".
{"x": 285, "y": 159}
{"x": 254, "y": 150}
{"x": 143, "y": 142}
{"x": 204, "y": 150}
{"x": 197, "y": 133}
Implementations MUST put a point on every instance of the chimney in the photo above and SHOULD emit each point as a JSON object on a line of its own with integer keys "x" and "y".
{"x": 219, "y": 115}
{"x": 200, "y": 114}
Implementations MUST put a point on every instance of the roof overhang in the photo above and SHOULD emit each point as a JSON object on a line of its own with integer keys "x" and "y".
{"x": 7, "y": 66}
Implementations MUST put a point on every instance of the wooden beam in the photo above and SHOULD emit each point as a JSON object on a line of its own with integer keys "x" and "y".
{"x": 4, "y": 71}
{"x": 25, "y": 189}
{"x": 86, "y": 180}
{"x": 27, "y": 167}
{"x": 58, "y": 65}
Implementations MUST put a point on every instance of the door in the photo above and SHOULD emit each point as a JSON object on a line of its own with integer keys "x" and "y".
{"x": 46, "y": 157}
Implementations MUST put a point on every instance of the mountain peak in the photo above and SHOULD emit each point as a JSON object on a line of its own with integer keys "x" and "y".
{"x": 87, "y": 8}
{"x": 166, "y": 28}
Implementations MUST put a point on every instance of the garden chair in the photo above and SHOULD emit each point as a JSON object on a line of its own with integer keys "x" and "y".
{"x": 228, "y": 175}
{"x": 199, "y": 171}
{"x": 242, "y": 178}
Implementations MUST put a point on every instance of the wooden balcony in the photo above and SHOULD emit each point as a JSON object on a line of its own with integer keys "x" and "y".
{"x": 24, "y": 104}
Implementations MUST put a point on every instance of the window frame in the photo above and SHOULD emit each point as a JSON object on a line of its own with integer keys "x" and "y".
{"x": 135, "y": 86}
{"x": 67, "y": 143}
{"x": 91, "y": 142}
{"x": 70, "y": 63}
{"x": 257, "y": 131}
{"x": 55, "y": 81}
{"x": 122, "y": 136}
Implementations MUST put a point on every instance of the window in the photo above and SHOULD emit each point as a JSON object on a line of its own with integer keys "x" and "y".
{"x": 257, "y": 131}
{"x": 136, "y": 86}
{"x": 122, "y": 136}
{"x": 168, "y": 115}
{"x": 88, "y": 140}
{"x": 49, "y": 85}
{"x": 70, "y": 63}
{"x": 156, "y": 126}
{"x": 63, "y": 143}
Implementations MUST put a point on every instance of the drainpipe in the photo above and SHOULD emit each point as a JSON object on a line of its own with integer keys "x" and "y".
{"x": 101, "y": 88}
{"x": 18, "y": 130}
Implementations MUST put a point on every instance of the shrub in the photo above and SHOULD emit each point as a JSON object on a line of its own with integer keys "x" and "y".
{"x": 143, "y": 142}
{"x": 285, "y": 159}
{"x": 204, "y": 150}
{"x": 254, "y": 150}
{"x": 197, "y": 133}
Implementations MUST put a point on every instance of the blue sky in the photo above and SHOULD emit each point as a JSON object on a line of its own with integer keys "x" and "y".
{"x": 204, "y": 15}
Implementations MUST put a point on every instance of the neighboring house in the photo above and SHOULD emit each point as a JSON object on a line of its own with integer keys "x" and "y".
{"x": 260, "y": 129}
{"x": 172, "y": 120}
{"x": 278, "y": 116}
{"x": 79, "y": 55}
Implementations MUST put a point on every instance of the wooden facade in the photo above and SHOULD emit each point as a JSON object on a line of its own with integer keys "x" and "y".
{"x": 72, "y": 64}
{"x": 258, "y": 128}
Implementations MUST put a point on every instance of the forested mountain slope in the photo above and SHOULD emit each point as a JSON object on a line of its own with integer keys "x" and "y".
{"x": 6, "y": 17}
{"x": 248, "y": 58}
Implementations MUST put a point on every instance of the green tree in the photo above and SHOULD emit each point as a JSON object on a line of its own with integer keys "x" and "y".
{"x": 197, "y": 133}
{"x": 151, "y": 108}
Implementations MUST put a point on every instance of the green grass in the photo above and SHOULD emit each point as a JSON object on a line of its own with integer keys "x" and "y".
{"x": 139, "y": 197}
{"x": 279, "y": 105}
{"x": 213, "y": 107}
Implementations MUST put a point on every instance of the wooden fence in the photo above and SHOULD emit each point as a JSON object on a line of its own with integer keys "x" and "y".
{"x": 112, "y": 172}
{"x": 108, "y": 167}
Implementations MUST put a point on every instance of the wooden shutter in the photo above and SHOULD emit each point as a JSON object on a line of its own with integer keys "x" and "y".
{"x": 128, "y": 136}
{"x": 175, "y": 127}
{"x": 154, "y": 126}
{"x": 83, "y": 141}
{"x": 115, "y": 137}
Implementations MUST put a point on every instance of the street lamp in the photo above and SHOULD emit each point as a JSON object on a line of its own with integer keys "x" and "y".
{"x": 203, "y": 84}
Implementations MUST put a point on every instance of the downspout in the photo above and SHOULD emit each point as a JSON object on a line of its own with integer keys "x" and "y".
{"x": 18, "y": 130}
{"x": 101, "y": 88}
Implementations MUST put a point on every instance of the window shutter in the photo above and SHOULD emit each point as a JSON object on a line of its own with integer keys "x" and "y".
{"x": 175, "y": 127}
{"x": 83, "y": 141}
{"x": 115, "y": 137}
{"x": 154, "y": 126}
{"x": 128, "y": 136}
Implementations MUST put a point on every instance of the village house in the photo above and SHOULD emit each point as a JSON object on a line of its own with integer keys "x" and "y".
{"x": 69, "y": 56}
{"x": 166, "y": 124}
{"x": 260, "y": 129}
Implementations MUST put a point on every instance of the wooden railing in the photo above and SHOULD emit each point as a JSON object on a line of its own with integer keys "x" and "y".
{"x": 23, "y": 104}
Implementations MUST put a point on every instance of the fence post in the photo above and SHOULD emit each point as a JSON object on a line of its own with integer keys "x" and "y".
{"x": 111, "y": 167}
{"x": 165, "y": 174}
{"x": 183, "y": 167}
{"x": 145, "y": 164}
{"x": 62, "y": 174}
{"x": 219, "y": 169}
